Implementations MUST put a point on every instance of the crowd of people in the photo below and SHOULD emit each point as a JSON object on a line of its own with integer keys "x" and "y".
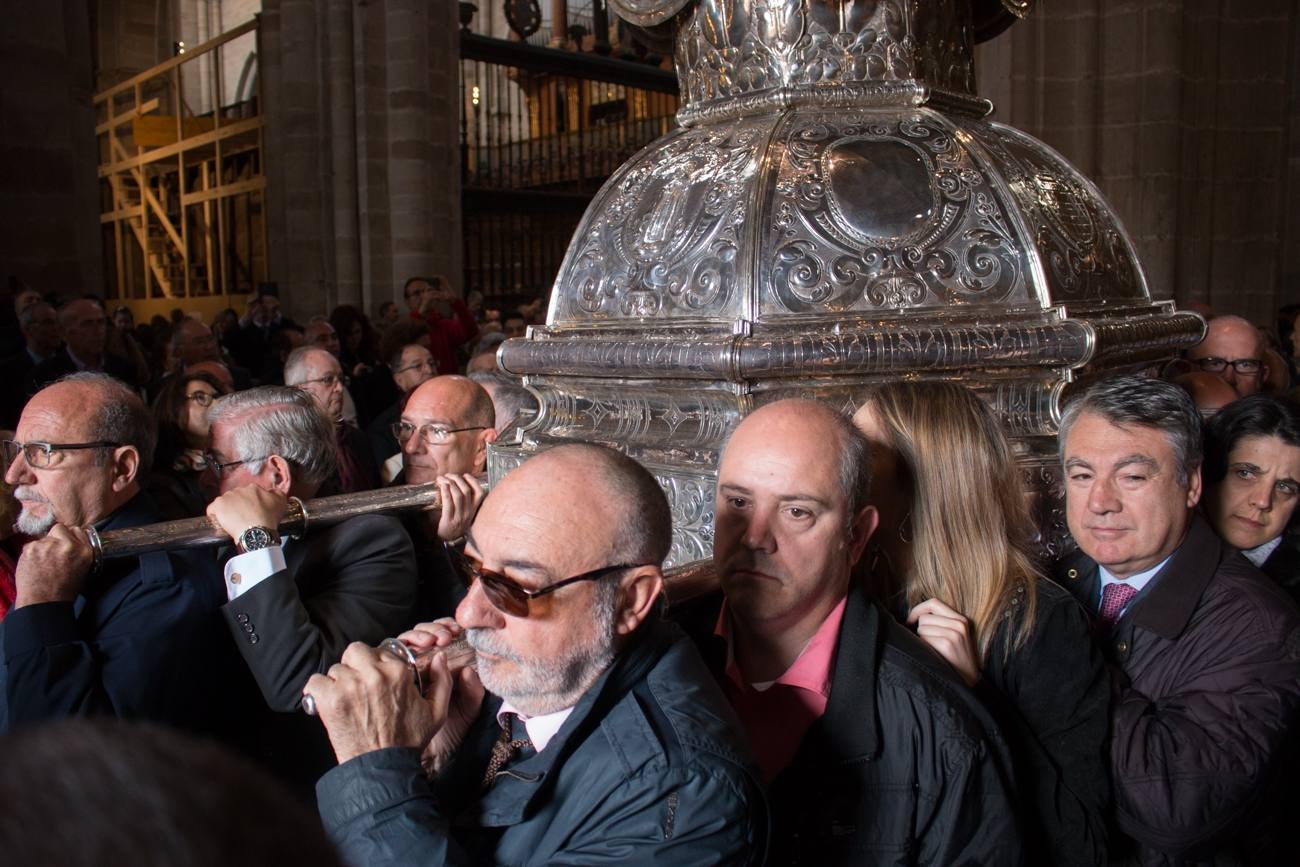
{"x": 887, "y": 671}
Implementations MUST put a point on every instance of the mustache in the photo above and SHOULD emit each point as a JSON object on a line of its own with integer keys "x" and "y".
{"x": 28, "y": 494}
{"x": 488, "y": 641}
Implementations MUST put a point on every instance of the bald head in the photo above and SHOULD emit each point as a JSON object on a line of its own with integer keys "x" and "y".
{"x": 621, "y": 515}
{"x": 463, "y": 411}
{"x": 828, "y": 434}
{"x": 1231, "y": 343}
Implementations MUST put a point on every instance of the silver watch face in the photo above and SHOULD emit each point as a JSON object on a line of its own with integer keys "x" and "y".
{"x": 256, "y": 537}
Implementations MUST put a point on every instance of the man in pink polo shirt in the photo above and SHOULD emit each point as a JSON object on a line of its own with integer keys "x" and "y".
{"x": 871, "y": 748}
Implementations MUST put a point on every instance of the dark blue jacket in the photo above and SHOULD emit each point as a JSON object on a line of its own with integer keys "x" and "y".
{"x": 143, "y": 640}
{"x": 648, "y": 769}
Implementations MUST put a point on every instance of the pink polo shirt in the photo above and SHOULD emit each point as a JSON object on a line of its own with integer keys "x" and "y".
{"x": 777, "y": 714}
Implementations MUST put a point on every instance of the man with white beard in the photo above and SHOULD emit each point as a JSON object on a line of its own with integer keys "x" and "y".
{"x": 600, "y": 737}
{"x": 131, "y": 638}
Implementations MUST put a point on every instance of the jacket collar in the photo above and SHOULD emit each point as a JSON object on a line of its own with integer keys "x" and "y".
{"x": 1171, "y": 598}
{"x": 850, "y": 729}
{"x": 511, "y": 798}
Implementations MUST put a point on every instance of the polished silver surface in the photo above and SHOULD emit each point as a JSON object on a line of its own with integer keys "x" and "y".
{"x": 834, "y": 211}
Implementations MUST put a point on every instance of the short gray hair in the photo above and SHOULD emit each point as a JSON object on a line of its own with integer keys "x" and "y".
{"x": 292, "y": 426}
{"x": 122, "y": 416}
{"x": 1145, "y": 402}
{"x": 294, "y": 366}
{"x": 855, "y": 464}
{"x": 508, "y": 398}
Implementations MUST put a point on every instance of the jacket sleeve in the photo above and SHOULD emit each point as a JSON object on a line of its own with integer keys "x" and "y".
{"x": 132, "y": 665}
{"x": 380, "y": 810}
{"x": 363, "y": 589}
{"x": 1188, "y": 766}
{"x": 1053, "y": 702}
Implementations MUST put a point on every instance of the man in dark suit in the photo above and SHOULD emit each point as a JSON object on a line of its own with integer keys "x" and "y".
{"x": 317, "y": 373}
{"x": 85, "y": 332}
{"x": 1204, "y": 648}
{"x": 41, "y": 338}
{"x": 295, "y": 604}
{"x": 133, "y": 639}
{"x": 444, "y": 431}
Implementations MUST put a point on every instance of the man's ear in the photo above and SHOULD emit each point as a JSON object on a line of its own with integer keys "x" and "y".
{"x": 864, "y": 524}
{"x": 277, "y": 474}
{"x": 125, "y": 464}
{"x": 638, "y": 591}
{"x": 488, "y": 435}
{"x": 1193, "y": 488}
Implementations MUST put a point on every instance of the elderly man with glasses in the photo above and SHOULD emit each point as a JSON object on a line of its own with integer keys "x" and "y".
{"x": 317, "y": 372}
{"x": 591, "y": 731}
{"x": 137, "y": 637}
{"x": 295, "y": 604}
{"x": 444, "y": 431}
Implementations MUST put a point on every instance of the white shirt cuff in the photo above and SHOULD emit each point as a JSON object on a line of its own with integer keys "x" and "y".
{"x": 246, "y": 571}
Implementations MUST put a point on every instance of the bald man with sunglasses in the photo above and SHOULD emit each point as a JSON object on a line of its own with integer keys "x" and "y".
{"x": 591, "y": 731}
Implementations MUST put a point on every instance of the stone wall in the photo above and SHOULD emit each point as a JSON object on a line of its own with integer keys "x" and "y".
{"x": 362, "y": 160}
{"x": 1178, "y": 109}
{"x": 49, "y": 225}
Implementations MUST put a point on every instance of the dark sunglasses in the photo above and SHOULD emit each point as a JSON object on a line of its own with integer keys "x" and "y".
{"x": 507, "y": 596}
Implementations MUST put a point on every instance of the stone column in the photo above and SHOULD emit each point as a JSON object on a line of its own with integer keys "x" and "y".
{"x": 342, "y": 141}
{"x": 49, "y": 226}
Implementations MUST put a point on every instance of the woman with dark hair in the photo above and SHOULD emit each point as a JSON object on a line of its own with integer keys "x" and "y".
{"x": 954, "y": 555}
{"x": 181, "y": 413}
{"x": 357, "y": 350}
{"x": 1252, "y": 483}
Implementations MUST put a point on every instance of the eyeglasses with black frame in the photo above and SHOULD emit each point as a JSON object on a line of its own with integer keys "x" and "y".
{"x": 508, "y": 596}
{"x": 431, "y": 434}
{"x": 218, "y": 467}
{"x": 1243, "y": 366}
{"x": 39, "y": 455}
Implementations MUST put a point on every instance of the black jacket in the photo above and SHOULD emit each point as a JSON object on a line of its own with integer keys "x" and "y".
{"x": 354, "y": 581}
{"x": 904, "y": 768}
{"x": 1051, "y": 699}
{"x": 647, "y": 769}
{"x": 1207, "y": 665}
{"x": 142, "y": 641}
{"x": 61, "y": 364}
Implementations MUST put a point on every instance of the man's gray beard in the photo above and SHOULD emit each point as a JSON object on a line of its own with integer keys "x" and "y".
{"x": 28, "y": 523}
{"x": 536, "y": 689}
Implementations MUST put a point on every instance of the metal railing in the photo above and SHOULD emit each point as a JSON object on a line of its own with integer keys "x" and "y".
{"x": 541, "y": 131}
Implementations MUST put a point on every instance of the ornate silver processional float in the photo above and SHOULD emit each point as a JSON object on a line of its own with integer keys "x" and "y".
{"x": 834, "y": 211}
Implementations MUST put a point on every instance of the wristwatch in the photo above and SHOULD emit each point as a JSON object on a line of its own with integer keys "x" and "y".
{"x": 256, "y": 538}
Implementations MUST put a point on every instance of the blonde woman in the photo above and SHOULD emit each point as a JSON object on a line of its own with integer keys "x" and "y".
{"x": 952, "y": 556}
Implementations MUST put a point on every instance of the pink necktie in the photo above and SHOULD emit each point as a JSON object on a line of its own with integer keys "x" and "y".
{"x": 1113, "y": 600}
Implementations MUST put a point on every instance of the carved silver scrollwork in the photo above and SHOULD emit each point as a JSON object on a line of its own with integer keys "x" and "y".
{"x": 873, "y": 210}
{"x": 668, "y": 233}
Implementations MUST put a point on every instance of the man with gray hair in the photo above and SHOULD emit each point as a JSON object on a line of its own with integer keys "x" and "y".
{"x": 599, "y": 738}
{"x": 129, "y": 638}
{"x": 1205, "y": 649}
{"x": 295, "y": 604}
{"x": 317, "y": 372}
